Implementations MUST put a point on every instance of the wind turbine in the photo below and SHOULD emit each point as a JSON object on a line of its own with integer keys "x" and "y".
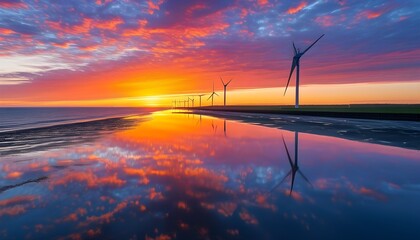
{"x": 224, "y": 88}
{"x": 212, "y": 95}
{"x": 192, "y": 100}
{"x": 294, "y": 167}
{"x": 200, "y": 95}
{"x": 296, "y": 64}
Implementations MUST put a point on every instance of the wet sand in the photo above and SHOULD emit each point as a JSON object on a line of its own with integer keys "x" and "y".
{"x": 405, "y": 134}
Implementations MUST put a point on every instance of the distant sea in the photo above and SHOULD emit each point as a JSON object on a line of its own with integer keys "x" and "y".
{"x": 12, "y": 119}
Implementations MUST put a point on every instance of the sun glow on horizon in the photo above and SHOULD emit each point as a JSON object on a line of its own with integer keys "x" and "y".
{"x": 134, "y": 53}
{"x": 360, "y": 93}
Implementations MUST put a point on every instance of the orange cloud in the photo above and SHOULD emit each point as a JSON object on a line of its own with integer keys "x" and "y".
{"x": 15, "y": 205}
{"x": 13, "y": 175}
{"x": 298, "y": 8}
{"x": 182, "y": 205}
{"x": 107, "y": 24}
{"x": 85, "y": 26}
{"x": 62, "y": 45}
{"x": 89, "y": 178}
{"x": 262, "y": 2}
{"x": 6, "y": 31}
{"x": 153, "y": 6}
{"x": 155, "y": 195}
{"x": 372, "y": 14}
{"x": 106, "y": 217}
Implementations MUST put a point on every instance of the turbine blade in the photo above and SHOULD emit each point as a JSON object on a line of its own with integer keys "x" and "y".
{"x": 278, "y": 184}
{"x": 294, "y": 48}
{"x": 288, "y": 154}
{"x": 306, "y": 179}
{"x": 216, "y": 93}
{"x": 287, "y": 175}
{"x": 222, "y": 80}
{"x": 210, "y": 97}
{"x": 229, "y": 82}
{"x": 293, "y": 183}
{"x": 312, "y": 44}
{"x": 290, "y": 75}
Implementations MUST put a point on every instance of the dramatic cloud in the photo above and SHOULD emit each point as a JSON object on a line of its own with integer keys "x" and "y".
{"x": 81, "y": 50}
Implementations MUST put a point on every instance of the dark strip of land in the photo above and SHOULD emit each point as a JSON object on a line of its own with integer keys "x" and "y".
{"x": 402, "y": 112}
{"x": 404, "y": 134}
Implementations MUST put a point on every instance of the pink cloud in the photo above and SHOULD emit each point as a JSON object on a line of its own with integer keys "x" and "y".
{"x": 12, "y": 4}
{"x": 263, "y": 2}
{"x": 326, "y": 21}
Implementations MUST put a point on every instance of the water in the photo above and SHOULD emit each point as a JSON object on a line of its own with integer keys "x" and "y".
{"x": 12, "y": 119}
{"x": 182, "y": 176}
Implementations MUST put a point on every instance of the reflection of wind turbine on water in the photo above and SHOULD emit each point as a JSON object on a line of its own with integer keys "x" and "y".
{"x": 294, "y": 167}
{"x": 296, "y": 64}
{"x": 224, "y": 126}
{"x": 213, "y": 126}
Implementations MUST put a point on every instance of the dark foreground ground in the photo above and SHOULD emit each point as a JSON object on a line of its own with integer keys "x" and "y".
{"x": 405, "y": 112}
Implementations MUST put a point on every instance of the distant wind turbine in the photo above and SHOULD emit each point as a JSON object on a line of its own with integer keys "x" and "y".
{"x": 212, "y": 95}
{"x": 296, "y": 64}
{"x": 224, "y": 88}
{"x": 200, "y": 95}
{"x": 192, "y": 101}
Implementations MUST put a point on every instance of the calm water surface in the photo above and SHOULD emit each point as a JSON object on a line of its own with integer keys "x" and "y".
{"x": 182, "y": 176}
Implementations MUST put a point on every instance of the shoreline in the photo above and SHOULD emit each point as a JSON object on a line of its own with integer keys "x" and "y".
{"x": 335, "y": 112}
{"x": 403, "y": 134}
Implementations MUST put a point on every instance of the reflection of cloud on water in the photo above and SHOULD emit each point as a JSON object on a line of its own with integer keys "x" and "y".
{"x": 17, "y": 205}
{"x": 190, "y": 184}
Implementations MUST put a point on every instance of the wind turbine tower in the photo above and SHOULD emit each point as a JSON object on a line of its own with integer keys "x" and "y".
{"x": 224, "y": 88}
{"x": 200, "y": 97}
{"x": 296, "y": 64}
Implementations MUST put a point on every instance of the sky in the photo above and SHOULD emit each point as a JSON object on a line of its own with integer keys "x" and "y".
{"x": 148, "y": 53}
